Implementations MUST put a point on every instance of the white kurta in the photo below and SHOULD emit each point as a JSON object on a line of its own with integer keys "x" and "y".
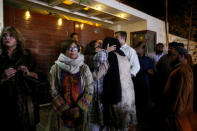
{"x": 133, "y": 59}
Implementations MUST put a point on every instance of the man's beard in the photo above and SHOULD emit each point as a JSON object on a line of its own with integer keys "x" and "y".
{"x": 169, "y": 53}
{"x": 159, "y": 52}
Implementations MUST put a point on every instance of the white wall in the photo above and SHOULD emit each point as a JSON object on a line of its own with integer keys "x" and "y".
{"x": 158, "y": 26}
{"x": 152, "y": 24}
{"x": 173, "y": 38}
{"x": 138, "y": 26}
{"x": 1, "y": 15}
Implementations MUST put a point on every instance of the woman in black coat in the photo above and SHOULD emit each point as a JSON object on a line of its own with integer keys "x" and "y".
{"x": 19, "y": 107}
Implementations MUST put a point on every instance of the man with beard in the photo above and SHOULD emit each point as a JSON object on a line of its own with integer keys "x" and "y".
{"x": 178, "y": 94}
{"x": 163, "y": 68}
{"x": 158, "y": 53}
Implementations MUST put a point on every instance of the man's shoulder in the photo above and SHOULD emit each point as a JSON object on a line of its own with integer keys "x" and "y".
{"x": 154, "y": 55}
{"x": 184, "y": 69}
{"x": 164, "y": 57}
{"x": 147, "y": 58}
{"x": 127, "y": 47}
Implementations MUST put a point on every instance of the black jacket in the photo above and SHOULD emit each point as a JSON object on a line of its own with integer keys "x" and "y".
{"x": 19, "y": 105}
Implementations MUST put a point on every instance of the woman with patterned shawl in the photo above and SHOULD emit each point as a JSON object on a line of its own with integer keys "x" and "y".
{"x": 71, "y": 87}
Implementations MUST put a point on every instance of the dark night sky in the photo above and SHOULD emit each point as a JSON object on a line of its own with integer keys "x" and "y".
{"x": 177, "y": 9}
{"x": 156, "y": 8}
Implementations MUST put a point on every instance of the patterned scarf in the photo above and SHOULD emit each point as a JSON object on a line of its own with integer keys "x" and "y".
{"x": 70, "y": 65}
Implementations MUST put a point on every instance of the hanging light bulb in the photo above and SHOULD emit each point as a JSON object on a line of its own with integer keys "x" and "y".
{"x": 77, "y": 25}
{"x": 59, "y": 22}
{"x": 27, "y": 15}
{"x": 86, "y": 8}
{"x": 82, "y": 26}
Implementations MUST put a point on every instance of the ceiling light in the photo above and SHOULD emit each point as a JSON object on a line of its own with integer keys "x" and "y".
{"x": 59, "y": 22}
{"x": 98, "y": 24}
{"x": 121, "y": 15}
{"x": 67, "y": 2}
{"x": 86, "y": 8}
{"x": 77, "y": 25}
{"x": 82, "y": 26}
{"x": 98, "y": 7}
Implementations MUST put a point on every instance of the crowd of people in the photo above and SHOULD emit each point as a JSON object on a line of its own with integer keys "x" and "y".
{"x": 105, "y": 86}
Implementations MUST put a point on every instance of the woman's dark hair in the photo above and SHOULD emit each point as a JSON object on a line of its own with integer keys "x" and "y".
{"x": 111, "y": 41}
{"x": 89, "y": 54}
{"x": 66, "y": 45}
{"x": 14, "y": 33}
{"x": 90, "y": 48}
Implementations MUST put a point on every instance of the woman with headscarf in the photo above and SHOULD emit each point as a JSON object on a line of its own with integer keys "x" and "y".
{"x": 72, "y": 88}
{"x": 118, "y": 96}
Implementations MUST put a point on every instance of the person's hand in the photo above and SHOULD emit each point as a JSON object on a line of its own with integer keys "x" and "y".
{"x": 27, "y": 72}
{"x": 74, "y": 112}
{"x": 98, "y": 49}
{"x": 10, "y": 72}
{"x": 110, "y": 48}
{"x": 70, "y": 114}
{"x": 24, "y": 69}
{"x": 132, "y": 76}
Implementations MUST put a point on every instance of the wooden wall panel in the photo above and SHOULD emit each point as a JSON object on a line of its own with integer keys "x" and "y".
{"x": 41, "y": 33}
{"x": 44, "y": 37}
{"x": 89, "y": 33}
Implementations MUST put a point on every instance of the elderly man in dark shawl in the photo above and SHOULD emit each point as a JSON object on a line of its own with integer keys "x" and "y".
{"x": 163, "y": 69}
{"x": 178, "y": 94}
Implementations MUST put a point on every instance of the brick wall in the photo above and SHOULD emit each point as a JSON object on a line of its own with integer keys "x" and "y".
{"x": 90, "y": 33}
{"x": 43, "y": 36}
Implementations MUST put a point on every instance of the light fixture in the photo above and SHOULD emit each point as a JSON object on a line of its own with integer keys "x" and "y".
{"x": 141, "y": 37}
{"x": 67, "y": 2}
{"x": 81, "y": 26}
{"x": 98, "y": 24}
{"x": 122, "y": 15}
{"x": 77, "y": 25}
{"x": 86, "y": 8}
{"x": 98, "y": 7}
{"x": 27, "y": 15}
{"x": 59, "y": 22}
